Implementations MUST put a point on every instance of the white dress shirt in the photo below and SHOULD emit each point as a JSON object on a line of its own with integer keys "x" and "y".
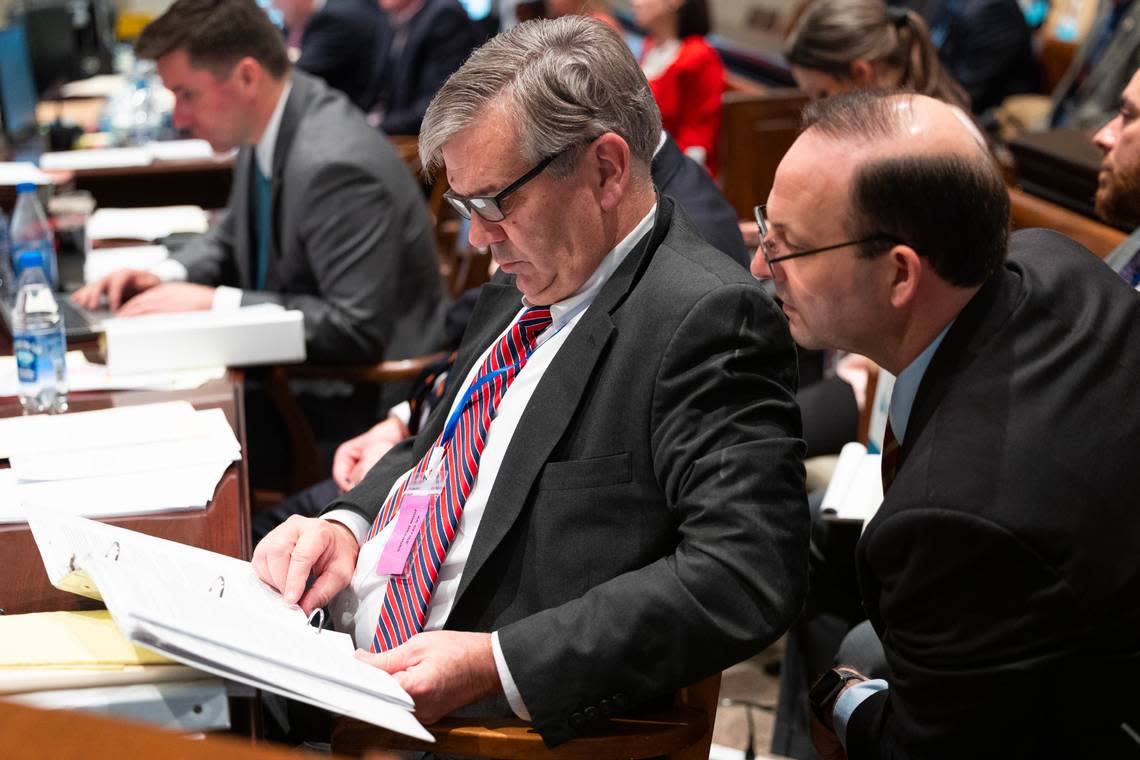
{"x": 172, "y": 270}
{"x": 357, "y": 608}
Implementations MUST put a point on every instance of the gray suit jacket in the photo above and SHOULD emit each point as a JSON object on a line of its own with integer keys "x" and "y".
{"x": 648, "y": 526}
{"x": 352, "y": 245}
{"x": 1097, "y": 98}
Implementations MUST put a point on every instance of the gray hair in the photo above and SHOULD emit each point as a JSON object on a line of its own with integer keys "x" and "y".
{"x": 562, "y": 81}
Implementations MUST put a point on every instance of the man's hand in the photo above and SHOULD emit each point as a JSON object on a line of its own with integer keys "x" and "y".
{"x": 119, "y": 287}
{"x": 302, "y": 545}
{"x": 441, "y": 670}
{"x": 170, "y": 296}
{"x": 356, "y": 456}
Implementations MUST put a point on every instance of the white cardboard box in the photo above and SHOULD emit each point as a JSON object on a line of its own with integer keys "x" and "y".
{"x": 265, "y": 334}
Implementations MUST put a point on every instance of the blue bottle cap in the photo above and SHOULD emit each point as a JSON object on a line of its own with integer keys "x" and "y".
{"x": 26, "y": 187}
{"x": 30, "y": 259}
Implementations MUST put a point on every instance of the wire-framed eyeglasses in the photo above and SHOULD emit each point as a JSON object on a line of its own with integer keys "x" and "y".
{"x": 771, "y": 258}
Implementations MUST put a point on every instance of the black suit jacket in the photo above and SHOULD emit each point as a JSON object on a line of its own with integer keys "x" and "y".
{"x": 648, "y": 526}
{"x": 1002, "y": 571}
{"x": 438, "y": 40}
{"x": 339, "y": 45}
{"x": 677, "y": 175}
{"x": 986, "y": 46}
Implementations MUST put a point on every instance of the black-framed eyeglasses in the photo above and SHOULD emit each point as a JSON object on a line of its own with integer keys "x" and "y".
{"x": 770, "y": 259}
{"x": 489, "y": 206}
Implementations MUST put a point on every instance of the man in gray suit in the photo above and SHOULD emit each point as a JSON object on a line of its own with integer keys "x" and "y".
{"x": 323, "y": 217}
{"x": 1118, "y": 192}
{"x": 622, "y": 499}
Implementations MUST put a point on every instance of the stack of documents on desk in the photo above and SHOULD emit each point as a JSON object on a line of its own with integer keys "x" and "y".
{"x": 148, "y": 224}
{"x": 81, "y": 661}
{"x": 211, "y": 612}
{"x": 119, "y": 158}
{"x": 84, "y": 375}
{"x": 128, "y": 460}
{"x": 13, "y": 173}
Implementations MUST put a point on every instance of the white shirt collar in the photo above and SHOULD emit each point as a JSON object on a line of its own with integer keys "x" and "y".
{"x": 564, "y": 310}
{"x": 268, "y": 142}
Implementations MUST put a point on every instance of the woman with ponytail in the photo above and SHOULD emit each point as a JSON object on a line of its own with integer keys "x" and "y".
{"x": 840, "y": 45}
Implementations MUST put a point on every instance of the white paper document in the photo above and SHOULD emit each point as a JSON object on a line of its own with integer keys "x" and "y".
{"x": 856, "y": 488}
{"x": 145, "y": 223}
{"x": 99, "y": 158}
{"x": 124, "y": 461}
{"x": 101, "y": 86}
{"x": 15, "y": 172}
{"x": 180, "y": 150}
{"x": 83, "y": 375}
{"x": 211, "y": 612}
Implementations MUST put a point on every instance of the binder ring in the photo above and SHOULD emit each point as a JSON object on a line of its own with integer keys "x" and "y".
{"x": 218, "y": 585}
{"x": 112, "y": 549}
{"x": 320, "y": 621}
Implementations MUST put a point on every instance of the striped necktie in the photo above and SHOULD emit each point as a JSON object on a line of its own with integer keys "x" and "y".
{"x": 406, "y": 599}
{"x": 892, "y": 452}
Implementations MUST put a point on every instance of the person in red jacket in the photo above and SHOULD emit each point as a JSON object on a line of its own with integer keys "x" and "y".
{"x": 684, "y": 72}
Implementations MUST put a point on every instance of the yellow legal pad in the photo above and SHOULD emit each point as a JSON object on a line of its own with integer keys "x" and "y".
{"x": 81, "y": 640}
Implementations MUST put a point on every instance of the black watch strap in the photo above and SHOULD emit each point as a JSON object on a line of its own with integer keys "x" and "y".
{"x": 826, "y": 690}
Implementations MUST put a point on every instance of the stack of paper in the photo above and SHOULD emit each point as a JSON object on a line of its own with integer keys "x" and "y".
{"x": 211, "y": 612}
{"x": 127, "y": 460}
{"x": 16, "y": 172}
{"x": 145, "y": 223}
{"x": 103, "y": 158}
{"x": 84, "y": 375}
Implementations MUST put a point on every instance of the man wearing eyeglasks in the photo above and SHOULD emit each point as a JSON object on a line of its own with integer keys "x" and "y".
{"x": 1000, "y": 573}
{"x": 628, "y": 514}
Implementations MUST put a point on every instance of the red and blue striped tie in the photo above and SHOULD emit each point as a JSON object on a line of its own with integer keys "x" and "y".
{"x": 406, "y": 599}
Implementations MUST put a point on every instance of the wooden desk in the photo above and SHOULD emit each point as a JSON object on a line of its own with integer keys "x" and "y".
{"x": 222, "y": 527}
{"x": 201, "y": 182}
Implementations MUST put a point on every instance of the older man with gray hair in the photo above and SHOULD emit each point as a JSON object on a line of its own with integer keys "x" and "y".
{"x": 608, "y": 503}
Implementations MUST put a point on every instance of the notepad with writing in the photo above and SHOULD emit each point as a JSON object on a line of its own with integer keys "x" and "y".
{"x": 211, "y": 612}
{"x": 856, "y": 487}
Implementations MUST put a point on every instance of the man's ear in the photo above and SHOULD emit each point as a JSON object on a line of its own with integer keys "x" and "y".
{"x": 906, "y": 275}
{"x": 248, "y": 73}
{"x": 612, "y": 168}
{"x": 862, "y": 72}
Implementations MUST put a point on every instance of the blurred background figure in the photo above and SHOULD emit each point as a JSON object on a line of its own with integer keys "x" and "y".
{"x": 684, "y": 72}
{"x": 841, "y": 45}
{"x": 986, "y": 45}
{"x": 592, "y": 8}
{"x": 335, "y": 40}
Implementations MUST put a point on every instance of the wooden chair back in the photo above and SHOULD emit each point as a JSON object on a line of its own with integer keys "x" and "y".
{"x": 681, "y": 733}
{"x": 1032, "y": 211}
{"x": 756, "y": 131}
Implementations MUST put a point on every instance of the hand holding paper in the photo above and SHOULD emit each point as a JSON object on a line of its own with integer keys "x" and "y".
{"x": 302, "y": 546}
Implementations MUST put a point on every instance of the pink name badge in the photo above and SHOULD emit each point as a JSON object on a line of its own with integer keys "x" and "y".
{"x": 413, "y": 512}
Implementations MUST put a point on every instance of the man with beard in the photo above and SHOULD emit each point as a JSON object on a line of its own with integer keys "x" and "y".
{"x": 1118, "y": 195}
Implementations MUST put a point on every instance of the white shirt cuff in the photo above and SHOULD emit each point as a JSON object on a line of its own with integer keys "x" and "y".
{"x": 848, "y": 701}
{"x": 170, "y": 270}
{"x": 351, "y": 520}
{"x": 510, "y": 689}
{"x": 402, "y": 411}
{"x": 226, "y": 298}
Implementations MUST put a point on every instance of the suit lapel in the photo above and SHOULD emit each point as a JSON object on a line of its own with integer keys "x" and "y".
{"x": 555, "y": 401}
{"x": 245, "y": 216}
{"x": 290, "y": 119}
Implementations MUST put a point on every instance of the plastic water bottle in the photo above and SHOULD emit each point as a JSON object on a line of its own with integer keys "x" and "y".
{"x": 7, "y": 281}
{"x": 31, "y": 235}
{"x": 39, "y": 342}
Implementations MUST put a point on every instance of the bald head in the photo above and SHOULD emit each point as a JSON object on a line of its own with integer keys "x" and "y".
{"x": 916, "y": 170}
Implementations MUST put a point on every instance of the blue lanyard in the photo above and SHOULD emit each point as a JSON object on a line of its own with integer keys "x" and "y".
{"x": 453, "y": 420}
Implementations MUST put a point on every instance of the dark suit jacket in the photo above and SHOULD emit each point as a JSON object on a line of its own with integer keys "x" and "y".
{"x": 439, "y": 39}
{"x": 648, "y": 526}
{"x": 1002, "y": 571}
{"x": 986, "y": 45}
{"x": 677, "y": 175}
{"x": 352, "y": 245}
{"x": 339, "y": 45}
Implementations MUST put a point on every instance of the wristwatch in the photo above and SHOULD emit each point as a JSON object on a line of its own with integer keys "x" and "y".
{"x": 826, "y": 690}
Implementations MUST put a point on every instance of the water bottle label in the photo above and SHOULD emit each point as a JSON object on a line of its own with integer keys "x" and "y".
{"x": 40, "y": 358}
